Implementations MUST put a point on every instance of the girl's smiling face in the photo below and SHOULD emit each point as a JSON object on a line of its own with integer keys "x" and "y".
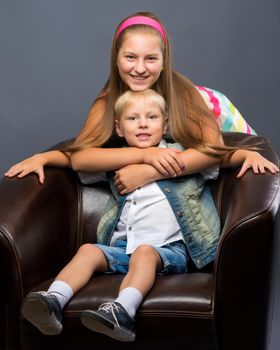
{"x": 140, "y": 60}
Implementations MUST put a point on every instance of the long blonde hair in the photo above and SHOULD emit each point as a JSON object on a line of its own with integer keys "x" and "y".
{"x": 188, "y": 114}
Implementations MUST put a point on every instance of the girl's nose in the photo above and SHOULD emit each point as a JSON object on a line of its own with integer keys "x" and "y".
{"x": 140, "y": 67}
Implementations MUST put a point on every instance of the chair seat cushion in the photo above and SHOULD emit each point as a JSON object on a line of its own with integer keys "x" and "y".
{"x": 187, "y": 295}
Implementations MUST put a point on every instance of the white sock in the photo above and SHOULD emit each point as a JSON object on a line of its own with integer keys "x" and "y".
{"x": 62, "y": 291}
{"x": 130, "y": 298}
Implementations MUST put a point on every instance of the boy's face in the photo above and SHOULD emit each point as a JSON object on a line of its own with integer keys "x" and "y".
{"x": 141, "y": 123}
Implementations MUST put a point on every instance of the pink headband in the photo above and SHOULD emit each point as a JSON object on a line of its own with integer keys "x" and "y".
{"x": 148, "y": 21}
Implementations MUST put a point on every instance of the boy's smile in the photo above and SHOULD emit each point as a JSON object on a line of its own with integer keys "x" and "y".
{"x": 141, "y": 123}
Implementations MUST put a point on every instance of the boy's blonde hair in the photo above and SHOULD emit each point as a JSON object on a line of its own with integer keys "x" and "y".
{"x": 129, "y": 96}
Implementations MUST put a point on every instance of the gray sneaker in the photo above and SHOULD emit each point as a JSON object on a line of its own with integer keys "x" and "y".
{"x": 43, "y": 311}
{"x": 110, "y": 319}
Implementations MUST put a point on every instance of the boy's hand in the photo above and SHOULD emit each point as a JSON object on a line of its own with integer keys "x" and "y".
{"x": 258, "y": 163}
{"x": 166, "y": 160}
{"x": 133, "y": 176}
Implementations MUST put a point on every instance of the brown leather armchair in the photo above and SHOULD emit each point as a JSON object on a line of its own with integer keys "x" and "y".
{"x": 224, "y": 306}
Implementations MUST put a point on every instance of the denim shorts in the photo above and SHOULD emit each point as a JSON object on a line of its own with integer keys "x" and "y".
{"x": 174, "y": 257}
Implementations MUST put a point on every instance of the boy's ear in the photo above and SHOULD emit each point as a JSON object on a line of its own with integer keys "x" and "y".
{"x": 165, "y": 126}
{"x": 118, "y": 129}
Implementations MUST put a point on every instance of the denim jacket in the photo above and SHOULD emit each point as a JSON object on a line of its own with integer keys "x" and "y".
{"x": 193, "y": 206}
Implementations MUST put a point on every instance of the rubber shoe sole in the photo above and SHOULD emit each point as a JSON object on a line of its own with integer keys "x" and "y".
{"x": 36, "y": 311}
{"x": 99, "y": 324}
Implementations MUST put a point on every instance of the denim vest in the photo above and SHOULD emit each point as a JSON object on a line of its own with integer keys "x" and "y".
{"x": 193, "y": 207}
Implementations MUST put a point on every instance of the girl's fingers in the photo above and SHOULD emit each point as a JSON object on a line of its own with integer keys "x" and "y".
{"x": 255, "y": 168}
{"x": 41, "y": 176}
{"x": 242, "y": 171}
{"x": 262, "y": 168}
{"x": 163, "y": 170}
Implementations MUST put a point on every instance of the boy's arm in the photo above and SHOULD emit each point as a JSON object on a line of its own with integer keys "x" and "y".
{"x": 129, "y": 178}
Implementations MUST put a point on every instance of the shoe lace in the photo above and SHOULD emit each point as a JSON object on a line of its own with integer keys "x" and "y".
{"x": 110, "y": 308}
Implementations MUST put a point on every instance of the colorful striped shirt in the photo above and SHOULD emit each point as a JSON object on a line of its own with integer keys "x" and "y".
{"x": 226, "y": 114}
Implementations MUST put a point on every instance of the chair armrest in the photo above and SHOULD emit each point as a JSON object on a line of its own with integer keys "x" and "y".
{"x": 248, "y": 208}
{"x": 39, "y": 228}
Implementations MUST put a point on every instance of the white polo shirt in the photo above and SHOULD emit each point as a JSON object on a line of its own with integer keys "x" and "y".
{"x": 147, "y": 217}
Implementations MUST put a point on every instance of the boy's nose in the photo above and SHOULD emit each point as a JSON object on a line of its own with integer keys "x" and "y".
{"x": 143, "y": 123}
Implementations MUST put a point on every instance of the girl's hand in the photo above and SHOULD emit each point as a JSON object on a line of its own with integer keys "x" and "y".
{"x": 258, "y": 163}
{"x": 133, "y": 176}
{"x": 34, "y": 164}
{"x": 166, "y": 160}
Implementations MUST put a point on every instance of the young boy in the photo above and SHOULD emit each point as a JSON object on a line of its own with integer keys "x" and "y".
{"x": 153, "y": 230}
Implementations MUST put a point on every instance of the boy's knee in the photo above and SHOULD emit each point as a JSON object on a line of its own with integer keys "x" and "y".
{"x": 87, "y": 249}
{"x": 145, "y": 251}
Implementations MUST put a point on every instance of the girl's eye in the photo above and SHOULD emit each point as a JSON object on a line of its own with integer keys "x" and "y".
{"x": 151, "y": 58}
{"x": 153, "y": 116}
{"x": 129, "y": 57}
{"x": 131, "y": 118}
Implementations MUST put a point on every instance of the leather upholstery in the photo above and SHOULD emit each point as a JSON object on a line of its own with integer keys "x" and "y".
{"x": 223, "y": 306}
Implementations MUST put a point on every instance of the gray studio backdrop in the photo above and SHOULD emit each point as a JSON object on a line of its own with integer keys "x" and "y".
{"x": 54, "y": 59}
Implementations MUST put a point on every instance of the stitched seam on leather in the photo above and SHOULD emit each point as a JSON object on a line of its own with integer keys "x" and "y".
{"x": 257, "y": 213}
{"x": 13, "y": 247}
{"x": 254, "y": 214}
{"x": 79, "y": 215}
{"x": 156, "y": 313}
{"x": 220, "y": 195}
{"x": 177, "y": 313}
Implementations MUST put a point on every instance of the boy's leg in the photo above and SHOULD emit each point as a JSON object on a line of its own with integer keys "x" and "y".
{"x": 143, "y": 266}
{"x": 115, "y": 319}
{"x": 79, "y": 270}
{"x": 44, "y": 309}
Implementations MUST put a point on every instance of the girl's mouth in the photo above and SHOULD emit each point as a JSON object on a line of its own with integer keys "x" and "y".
{"x": 138, "y": 77}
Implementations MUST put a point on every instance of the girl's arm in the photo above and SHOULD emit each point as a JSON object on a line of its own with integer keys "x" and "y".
{"x": 167, "y": 161}
{"x": 133, "y": 176}
{"x": 37, "y": 162}
{"x": 248, "y": 159}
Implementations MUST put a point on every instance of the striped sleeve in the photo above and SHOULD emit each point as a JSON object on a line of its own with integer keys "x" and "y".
{"x": 226, "y": 114}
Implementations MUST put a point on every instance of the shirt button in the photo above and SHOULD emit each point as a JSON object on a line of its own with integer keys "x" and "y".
{"x": 134, "y": 202}
{"x": 167, "y": 189}
{"x": 130, "y": 228}
{"x": 180, "y": 213}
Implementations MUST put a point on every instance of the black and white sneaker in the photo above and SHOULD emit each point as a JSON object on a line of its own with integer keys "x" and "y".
{"x": 43, "y": 311}
{"x": 110, "y": 319}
